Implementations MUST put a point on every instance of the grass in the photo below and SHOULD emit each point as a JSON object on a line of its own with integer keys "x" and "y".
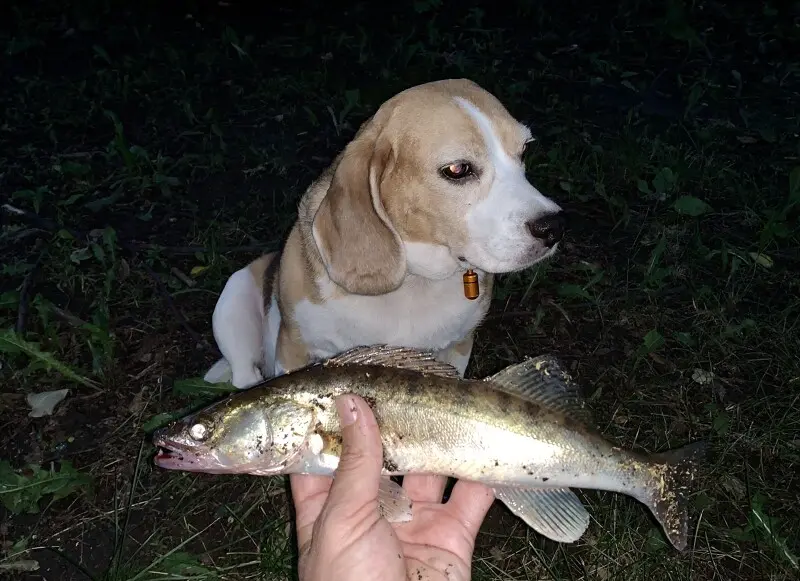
{"x": 155, "y": 150}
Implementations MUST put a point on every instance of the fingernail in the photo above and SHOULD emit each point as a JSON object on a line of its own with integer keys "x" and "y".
{"x": 348, "y": 410}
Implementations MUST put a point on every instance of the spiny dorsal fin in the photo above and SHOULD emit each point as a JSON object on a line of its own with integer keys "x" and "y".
{"x": 399, "y": 357}
{"x": 544, "y": 381}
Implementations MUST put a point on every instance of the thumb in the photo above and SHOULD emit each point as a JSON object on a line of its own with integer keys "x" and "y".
{"x": 357, "y": 477}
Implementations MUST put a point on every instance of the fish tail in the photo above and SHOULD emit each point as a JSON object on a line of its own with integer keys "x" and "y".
{"x": 675, "y": 472}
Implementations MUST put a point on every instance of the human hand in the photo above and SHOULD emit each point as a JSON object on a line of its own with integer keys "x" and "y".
{"x": 341, "y": 536}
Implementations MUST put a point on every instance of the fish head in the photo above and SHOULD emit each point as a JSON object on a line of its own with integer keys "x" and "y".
{"x": 261, "y": 437}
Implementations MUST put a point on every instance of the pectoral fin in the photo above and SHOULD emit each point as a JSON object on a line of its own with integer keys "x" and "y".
{"x": 393, "y": 503}
{"x": 556, "y": 513}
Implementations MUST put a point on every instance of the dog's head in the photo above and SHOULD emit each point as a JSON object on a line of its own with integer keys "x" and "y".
{"x": 434, "y": 182}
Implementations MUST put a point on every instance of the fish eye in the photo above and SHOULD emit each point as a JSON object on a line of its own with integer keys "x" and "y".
{"x": 198, "y": 432}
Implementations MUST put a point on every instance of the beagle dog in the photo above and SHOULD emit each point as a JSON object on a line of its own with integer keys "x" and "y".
{"x": 431, "y": 187}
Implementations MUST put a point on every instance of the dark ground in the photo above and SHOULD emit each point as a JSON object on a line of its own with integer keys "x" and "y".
{"x": 141, "y": 138}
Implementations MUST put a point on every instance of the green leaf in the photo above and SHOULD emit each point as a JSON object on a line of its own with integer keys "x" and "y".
{"x": 768, "y": 527}
{"x": 198, "y": 386}
{"x": 720, "y": 421}
{"x": 658, "y": 252}
{"x": 572, "y": 291}
{"x": 10, "y": 342}
{"x": 98, "y": 252}
{"x": 160, "y": 420}
{"x": 685, "y": 339}
{"x": 9, "y": 300}
{"x": 36, "y": 196}
{"x": 182, "y": 565}
{"x": 99, "y": 204}
{"x": 691, "y": 206}
{"x": 762, "y": 259}
{"x": 654, "y": 541}
{"x": 22, "y": 492}
{"x": 71, "y": 200}
{"x": 75, "y": 169}
{"x": 651, "y": 343}
{"x": 664, "y": 181}
{"x": 101, "y": 52}
{"x": 79, "y": 255}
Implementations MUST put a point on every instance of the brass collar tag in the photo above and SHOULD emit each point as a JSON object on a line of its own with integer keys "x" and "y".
{"x": 471, "y": 288}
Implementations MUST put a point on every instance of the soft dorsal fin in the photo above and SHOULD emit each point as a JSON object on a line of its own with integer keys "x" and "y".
{"x": 544, "y": 381}
{"x": 398, "y": 357}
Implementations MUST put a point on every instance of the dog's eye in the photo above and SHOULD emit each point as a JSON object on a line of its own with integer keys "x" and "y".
{"x": 457, "y": 171}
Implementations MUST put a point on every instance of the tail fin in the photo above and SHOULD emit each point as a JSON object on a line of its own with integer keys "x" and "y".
{"x": 220, "y": 372}
{"x": 669, "y": 498}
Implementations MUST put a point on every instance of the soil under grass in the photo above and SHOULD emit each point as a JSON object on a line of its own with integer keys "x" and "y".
{"x": 155, "y": 148}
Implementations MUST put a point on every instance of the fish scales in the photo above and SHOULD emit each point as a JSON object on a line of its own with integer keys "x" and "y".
{"x": 465, "y": 429}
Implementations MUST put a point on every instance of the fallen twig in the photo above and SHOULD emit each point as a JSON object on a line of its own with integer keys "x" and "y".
{"x": 509, "y": 314}
{"x": 180, "y": 275}
{"x": 68, "y": 317}
{"x": 38, "y": 221}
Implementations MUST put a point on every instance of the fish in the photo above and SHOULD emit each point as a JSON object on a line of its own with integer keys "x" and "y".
{"x": 526, "y": 432}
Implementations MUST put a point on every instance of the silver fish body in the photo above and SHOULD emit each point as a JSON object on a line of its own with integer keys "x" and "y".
{"x": 524, "y": 432}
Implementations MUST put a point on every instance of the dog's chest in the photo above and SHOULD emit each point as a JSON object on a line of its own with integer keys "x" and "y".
{"x": 424, "y": 314}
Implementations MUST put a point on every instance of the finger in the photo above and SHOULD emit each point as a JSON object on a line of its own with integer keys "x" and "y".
{"x": 358, "y": 474}
{"x": 469, "y": 502}
{"x": 308, "y": 496}
{"x": 425, "y": 487}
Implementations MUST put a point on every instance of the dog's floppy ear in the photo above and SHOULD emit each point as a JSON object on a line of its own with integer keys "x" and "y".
{"x": 360, "y": 248}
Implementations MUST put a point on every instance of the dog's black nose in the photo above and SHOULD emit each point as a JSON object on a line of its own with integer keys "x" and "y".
{"x": 549, "y": 228}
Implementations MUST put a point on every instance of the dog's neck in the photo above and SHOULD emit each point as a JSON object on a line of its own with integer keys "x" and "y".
{"x": 436, "y": 262}
{"x": 432, "y": 261}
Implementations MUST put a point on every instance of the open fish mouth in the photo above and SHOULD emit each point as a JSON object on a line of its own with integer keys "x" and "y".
{"x": 166, "y": 458}
{"x": 174, "y": 455}
{"x": 181, "y": 460}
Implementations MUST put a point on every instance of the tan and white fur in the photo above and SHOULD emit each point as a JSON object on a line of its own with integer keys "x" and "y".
{"x": 431, "y": 185}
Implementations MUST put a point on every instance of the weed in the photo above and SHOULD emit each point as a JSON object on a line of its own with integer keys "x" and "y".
{"x": 22, "y": 491}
